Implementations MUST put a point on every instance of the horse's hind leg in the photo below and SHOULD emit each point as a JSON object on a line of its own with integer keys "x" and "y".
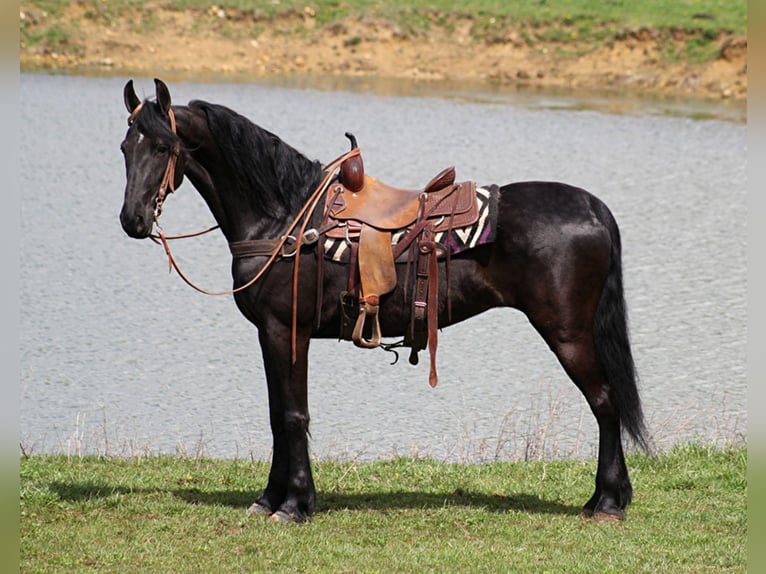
{"x": 566, "y": 319}
{"x": 576, "y": 351}
{"x": 613, "y": 489}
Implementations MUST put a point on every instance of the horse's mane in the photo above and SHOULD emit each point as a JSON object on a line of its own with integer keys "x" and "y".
{"x": 273, "y": 177}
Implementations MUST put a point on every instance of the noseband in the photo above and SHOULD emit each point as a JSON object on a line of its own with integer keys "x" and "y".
{"x": 168, "y": 178}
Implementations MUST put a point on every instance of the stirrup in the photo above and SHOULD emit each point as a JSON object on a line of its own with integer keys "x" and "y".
{"x": 367, "y": 310}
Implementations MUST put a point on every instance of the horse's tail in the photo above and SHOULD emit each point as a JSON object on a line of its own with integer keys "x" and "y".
{"x": 612, "y": 340}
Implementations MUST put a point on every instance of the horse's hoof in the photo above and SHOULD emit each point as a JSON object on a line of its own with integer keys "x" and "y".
{"x": 258, "y": 510}
{"x": 281, "y": 517}
{"x": 599, "y": 516}
{"x": 608, "y": 517}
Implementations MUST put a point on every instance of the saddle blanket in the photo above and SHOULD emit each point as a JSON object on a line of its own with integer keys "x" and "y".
{"x": 459, "y": 240}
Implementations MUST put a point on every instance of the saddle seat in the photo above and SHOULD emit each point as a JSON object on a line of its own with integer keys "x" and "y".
{"x": 386, "y": 207}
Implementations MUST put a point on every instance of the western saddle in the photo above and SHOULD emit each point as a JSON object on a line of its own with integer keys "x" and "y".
{"x": 365, "y": 213}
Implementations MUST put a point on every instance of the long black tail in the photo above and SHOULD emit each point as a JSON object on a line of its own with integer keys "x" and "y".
{"x": 612, "y": 340}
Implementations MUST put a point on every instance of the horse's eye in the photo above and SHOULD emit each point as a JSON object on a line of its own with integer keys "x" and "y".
{"x": 161, "y": 149}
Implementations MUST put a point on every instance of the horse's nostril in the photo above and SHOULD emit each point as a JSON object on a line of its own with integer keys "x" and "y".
{"x": 134, "y": 224}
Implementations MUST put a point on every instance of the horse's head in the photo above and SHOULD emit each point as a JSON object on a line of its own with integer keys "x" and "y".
{"x": 154, "y": 159}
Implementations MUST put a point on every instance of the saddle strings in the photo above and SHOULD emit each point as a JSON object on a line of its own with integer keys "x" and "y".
{"x": 306, "y": 210}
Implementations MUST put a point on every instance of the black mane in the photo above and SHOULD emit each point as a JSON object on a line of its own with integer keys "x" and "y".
{"x": 273, "y": 177}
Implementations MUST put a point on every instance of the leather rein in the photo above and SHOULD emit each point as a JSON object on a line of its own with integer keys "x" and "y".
{"x": 273, "y": 248}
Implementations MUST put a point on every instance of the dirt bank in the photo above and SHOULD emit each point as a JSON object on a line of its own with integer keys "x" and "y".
{"x": 157, "y": 39}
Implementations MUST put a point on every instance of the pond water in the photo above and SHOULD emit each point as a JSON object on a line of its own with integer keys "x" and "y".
{"x": 120, "y": 357}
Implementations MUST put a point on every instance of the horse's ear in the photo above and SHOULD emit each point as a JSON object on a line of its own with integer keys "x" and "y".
{"x": 129, "y": 95}
{"x": 163, "y": 95}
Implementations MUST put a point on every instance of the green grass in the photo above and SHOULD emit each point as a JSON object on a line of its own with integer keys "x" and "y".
{"x": 170, "y": 514}
{"x": 726, "y": 15}
{"x": 685, "y": 14}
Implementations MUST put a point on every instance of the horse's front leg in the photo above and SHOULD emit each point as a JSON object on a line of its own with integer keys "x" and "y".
{"x": 290, "y": 494}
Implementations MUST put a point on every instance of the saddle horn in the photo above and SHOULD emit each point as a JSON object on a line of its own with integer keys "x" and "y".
{"x": 352, "y": 170}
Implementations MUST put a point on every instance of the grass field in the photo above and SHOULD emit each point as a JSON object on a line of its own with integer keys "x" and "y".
{"x": 728, "y": 15}
{"x": 166, "y": 514}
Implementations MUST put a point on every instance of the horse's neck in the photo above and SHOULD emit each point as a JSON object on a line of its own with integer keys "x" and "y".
{"x": 206, "y": 171}
{"x": 202, "y": 182}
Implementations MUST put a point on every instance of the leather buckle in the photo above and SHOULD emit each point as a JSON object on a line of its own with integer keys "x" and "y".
{"x": 290, "y": 243}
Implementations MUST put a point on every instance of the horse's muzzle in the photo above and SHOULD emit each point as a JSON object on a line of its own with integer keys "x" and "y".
{"x": 136, "y": 225}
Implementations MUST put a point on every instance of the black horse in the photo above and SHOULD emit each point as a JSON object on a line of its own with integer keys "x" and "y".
{"x": 556, "y": 257}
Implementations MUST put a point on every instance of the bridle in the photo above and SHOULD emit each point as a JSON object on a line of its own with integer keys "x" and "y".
{"x": 168, "y": 178}
{"x": 273, "y": 248}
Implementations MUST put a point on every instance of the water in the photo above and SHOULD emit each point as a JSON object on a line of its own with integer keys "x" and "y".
{"x": 119, "y": 356}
